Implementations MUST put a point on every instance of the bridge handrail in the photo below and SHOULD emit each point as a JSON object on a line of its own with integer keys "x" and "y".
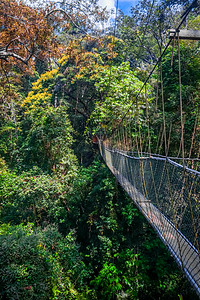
{"x": 154, "y": 156}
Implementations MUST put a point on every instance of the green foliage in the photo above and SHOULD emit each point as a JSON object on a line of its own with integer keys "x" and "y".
{"x": 190, "y": 70}
{"x": 108, "y": 280}
{"x": 33, "y": 197}
{"x": 118, "y": 87}
{"x": 86, "y": 239}
{"x": 47, "y": 140}
{"x": 38, "y": 264}
{"x": 45, "y": 130}
{"x": 122, "y": 257}
{"x": 8, "y": 138}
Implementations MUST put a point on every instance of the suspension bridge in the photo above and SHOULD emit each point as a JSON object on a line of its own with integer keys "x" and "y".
{"x": 159, "y": 187}
{"x": 166, "y": 189}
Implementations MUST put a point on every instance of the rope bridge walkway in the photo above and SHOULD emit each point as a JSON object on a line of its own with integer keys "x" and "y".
{"x": 166, "y": 188}
{"x": 159, "y": 187}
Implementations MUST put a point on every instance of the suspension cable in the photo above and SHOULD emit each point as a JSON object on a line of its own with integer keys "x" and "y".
{"x": 184, "y": 16}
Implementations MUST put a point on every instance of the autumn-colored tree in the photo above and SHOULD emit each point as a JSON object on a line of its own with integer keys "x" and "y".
{"x": 24, "y": 33}
{"x": 30, "y": 36}
{"x": 24, "y": 39}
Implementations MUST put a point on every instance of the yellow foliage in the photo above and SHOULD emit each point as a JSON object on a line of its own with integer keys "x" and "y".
{"x": 32, "y": 101}
{"x": 63, "y": 60}
{"x": 46, "y": 76}
{"x": 39, "y": 96}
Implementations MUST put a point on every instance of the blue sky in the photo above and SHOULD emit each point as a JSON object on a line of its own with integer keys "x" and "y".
{"x": 124, "y": 5}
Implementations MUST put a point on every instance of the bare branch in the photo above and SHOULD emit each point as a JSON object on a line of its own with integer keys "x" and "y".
{"x": 4, "y": 54}
{"x": 69, "y": 17}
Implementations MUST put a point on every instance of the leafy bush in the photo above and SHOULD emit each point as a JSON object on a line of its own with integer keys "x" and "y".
{"x": 33, "y": 197}
{"x": 38, "y": 264}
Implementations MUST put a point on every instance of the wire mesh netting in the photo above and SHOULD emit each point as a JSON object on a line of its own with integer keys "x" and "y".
{"x": 168, "y": 194}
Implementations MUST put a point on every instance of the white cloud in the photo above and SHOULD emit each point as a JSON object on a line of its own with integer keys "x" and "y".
{"x": 110, "y": 4}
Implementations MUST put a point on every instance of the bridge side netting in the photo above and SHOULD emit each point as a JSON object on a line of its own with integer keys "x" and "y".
{"x": 168, "y": 196}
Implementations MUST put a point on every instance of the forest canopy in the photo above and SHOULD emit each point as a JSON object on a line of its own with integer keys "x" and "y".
{"x": 67, "y": 229}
